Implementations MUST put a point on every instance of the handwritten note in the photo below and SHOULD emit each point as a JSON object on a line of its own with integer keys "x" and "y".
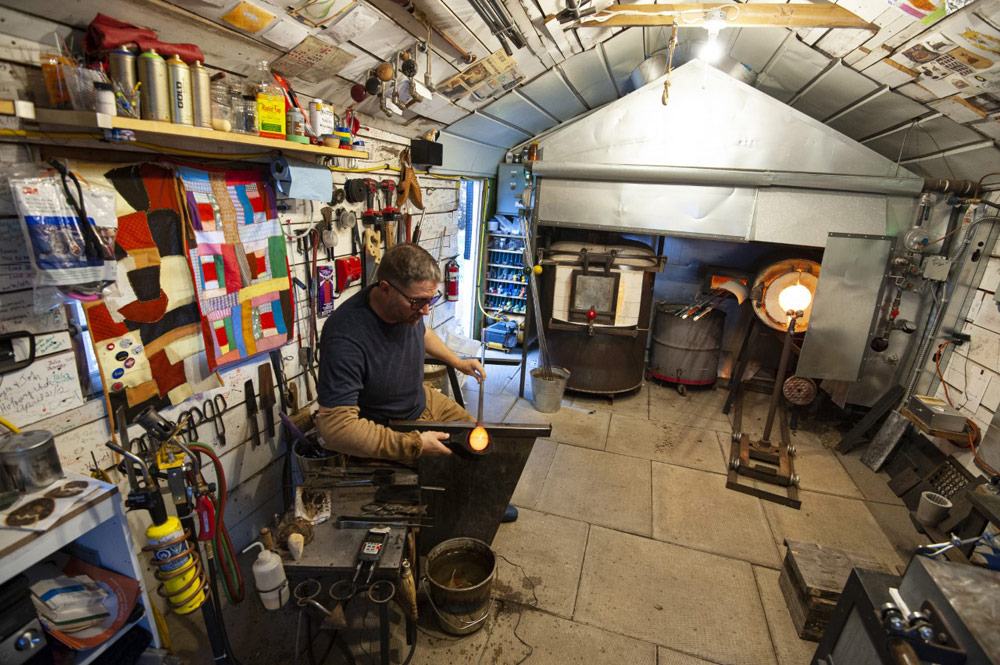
{"x": 47, "y": 387}
{"x": 13, "y": 245}
{"x": 16, "y": 277}
{"x": 45, "y": 345}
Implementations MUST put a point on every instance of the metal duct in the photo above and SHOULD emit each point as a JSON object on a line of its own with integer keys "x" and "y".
{"x": 655, "y": 65}
{"x": 709, "y": 177}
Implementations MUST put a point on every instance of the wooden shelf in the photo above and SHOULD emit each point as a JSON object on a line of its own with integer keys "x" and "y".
{"x": 183, "y": 136}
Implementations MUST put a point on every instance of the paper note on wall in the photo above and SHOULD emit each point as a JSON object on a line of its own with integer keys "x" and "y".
{"x": 249, "y": 17}
{"x": 17, "y": 312}
{"x": 47, "y": 387}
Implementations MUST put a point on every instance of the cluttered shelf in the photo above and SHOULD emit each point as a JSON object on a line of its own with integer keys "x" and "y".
{"x": 19, "y": 549}
{"x": 505, "y": 281}
{"x": 504, "y": 235}
{"x": 179, "y": 136}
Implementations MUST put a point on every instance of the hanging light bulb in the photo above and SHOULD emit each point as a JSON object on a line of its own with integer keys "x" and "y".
{"x": 795, "y": 298}
{"x": 715, "y": 21}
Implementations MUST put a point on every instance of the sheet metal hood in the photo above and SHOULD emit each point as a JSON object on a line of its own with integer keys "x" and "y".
{"x": 721, "y": 159}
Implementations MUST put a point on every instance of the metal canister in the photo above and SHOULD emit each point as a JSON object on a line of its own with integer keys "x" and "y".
{"x": 201, "y": 86}
{"x": 181, "y": 99}
{"x": 121, "y": 64}
{"x": 31, "y": 459}
{"x": 154, "y": 95}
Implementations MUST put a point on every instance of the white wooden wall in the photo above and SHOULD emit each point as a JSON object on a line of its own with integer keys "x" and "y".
{"x": 253, "y": 474}
{"x": 973, "y": 372}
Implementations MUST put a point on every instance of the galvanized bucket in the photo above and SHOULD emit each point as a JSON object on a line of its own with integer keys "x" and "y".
{"x": 548, "y": 384}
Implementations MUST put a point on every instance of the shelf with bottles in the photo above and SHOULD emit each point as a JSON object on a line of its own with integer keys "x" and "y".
{"x": 505, "y": 235}
{"x": 496, "y": 303}
{"x": 518, "y": 292}
{"x": 504, "y": 260}
{"x": 511, "y": 244}
{"x": 506, "y": 275}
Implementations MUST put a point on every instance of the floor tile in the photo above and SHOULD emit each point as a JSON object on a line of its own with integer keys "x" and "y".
{"x": 495, "y": 406}
{"x": 833, "y": 521}
{"x": 874, "y": 486}
{"x": 573, "y": 425}
{"x": 556, "y": 641}
{"x": 695, "y": 602}
{"x": 687, "y": 446}
{"x": 600, "y": 488}
{"x": 820, "y": 470}
{"x": 694, "y": 508}
{"x": 549, "y": 552}
{"x": 533, "y": 476}
{"x": 789, "y": 649}
{"x": 698, "y": 406}
{"x": 634, "y": 404}
{"x": 666, "y": 656}
{"x": 895, "y": 522}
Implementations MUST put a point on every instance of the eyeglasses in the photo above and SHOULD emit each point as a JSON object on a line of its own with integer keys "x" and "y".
{"x": 417, "y": 304}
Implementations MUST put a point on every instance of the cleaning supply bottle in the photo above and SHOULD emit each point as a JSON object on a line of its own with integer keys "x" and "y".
{"x": 270, "y": 103}
{"x": 269, "y": 577}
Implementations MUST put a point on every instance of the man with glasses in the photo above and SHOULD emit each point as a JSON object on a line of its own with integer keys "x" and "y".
{"x": 372, "y": 364}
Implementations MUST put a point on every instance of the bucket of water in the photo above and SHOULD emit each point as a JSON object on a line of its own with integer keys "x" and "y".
{"x": 548, "y": 384}
{"x": 460, "y": 575}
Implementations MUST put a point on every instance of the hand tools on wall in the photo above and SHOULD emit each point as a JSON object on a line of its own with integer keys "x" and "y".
{"x": 267, "y": 401}
{"x": 213, "y": 410}
{"x": 250, "y": 399}
{"x": 390, "y": 213}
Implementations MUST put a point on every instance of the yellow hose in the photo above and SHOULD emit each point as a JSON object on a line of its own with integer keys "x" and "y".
{"x": 6, "y": 423}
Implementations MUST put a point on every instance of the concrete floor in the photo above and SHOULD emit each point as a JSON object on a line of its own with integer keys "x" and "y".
{"x": 629, "y": 548}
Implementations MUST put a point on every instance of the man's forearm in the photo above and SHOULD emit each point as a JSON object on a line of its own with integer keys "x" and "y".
{"x": 344, "y": 431}
{"x": 437, "y": 349}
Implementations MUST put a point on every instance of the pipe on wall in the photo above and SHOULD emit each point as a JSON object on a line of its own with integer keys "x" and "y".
{"x": 681, "y": 175}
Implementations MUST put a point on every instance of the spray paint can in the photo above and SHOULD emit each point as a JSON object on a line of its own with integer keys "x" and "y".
{"x": 153, "y": 95}
{"x": 121, "y": 64}
{"x": 181, "y": 99}
{"x": 201, "y": 86}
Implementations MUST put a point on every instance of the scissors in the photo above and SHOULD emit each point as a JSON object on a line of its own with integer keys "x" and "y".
{"x": 194, "y": 418}
{"x": 213, "y": 410}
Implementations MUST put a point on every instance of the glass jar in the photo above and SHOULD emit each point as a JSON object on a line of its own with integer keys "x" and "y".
{"x": 245, "y": 118}
{"x": 222, "y": 108}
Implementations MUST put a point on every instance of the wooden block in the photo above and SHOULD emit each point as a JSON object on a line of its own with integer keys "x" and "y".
{"x": 821, "y": 572}
{"x": 810, "y": 621}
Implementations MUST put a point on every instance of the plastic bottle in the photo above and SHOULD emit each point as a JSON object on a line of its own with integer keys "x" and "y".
{"x": 55, "y": 79}
{"x": 270, "y": 104}
{"x": 104, "y": 94}
{"x": 295, "y": 126}
{"x": 269, "y": 577}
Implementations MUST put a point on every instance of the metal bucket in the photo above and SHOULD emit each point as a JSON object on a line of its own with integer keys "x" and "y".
{"x": 548, "y": 384}
{"x": 460, "y": 576}
{"x": 685, "y": 351}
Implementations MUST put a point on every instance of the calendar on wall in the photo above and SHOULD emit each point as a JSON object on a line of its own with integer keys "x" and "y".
{"x": 313, "y": 61}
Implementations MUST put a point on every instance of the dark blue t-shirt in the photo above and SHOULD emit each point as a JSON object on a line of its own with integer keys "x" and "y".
{"x": 371, "y": 364}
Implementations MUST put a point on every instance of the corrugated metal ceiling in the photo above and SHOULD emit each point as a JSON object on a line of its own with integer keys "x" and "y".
{"x": 870, "y": 91}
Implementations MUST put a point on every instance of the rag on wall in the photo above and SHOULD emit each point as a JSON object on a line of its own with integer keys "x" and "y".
{"x": 105, "y": 34}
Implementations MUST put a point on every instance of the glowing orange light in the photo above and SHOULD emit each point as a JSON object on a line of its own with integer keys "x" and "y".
{"x": 479, "y": 439}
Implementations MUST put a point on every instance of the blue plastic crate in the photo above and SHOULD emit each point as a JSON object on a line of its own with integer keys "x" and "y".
{"x": 503, "y": 333}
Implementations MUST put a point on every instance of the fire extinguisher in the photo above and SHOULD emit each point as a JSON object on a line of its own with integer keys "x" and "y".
{"x": 451, "y": 280}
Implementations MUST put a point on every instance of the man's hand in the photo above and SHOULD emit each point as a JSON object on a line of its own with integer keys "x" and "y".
{"x": 471, "y": 367}
{"x": 430, "y": 444}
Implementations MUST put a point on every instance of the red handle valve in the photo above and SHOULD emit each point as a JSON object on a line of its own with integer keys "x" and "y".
{"x": 206, "y": 518}
{"x": 591, "y": 314}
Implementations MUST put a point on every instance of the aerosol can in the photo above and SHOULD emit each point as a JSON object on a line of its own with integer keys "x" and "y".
{"x": 153, "y": 92}
{"x": 269, "y": 577}
{"x": 181, "y": 99}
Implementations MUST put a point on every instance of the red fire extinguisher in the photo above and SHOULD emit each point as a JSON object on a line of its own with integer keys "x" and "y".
{"x": 451, "y": 280}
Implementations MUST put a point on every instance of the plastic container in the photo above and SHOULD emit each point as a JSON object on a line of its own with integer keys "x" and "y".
{"x": 269, "y": 578}
{"x": 105, "y": 98}
{"x": 246, "y": 118}
{"x": 53, "y": 71}
{"x": 548, "y": 385}
{"x": 31, "y": 459}
{"x": 295, "y": 126}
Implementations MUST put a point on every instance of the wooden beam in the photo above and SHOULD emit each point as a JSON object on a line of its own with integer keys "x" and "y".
{"x": 749, "y": 15}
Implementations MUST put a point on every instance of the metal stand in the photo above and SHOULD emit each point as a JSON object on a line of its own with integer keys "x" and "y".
{"x": 743, "y": 449}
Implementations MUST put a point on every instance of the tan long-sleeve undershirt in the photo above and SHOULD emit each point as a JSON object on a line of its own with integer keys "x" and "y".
{"x": 344, "y": 431}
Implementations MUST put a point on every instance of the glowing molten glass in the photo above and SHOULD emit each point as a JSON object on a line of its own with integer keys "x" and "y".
{"x": 795, "y": 298}
{"x": 479, "y": 439}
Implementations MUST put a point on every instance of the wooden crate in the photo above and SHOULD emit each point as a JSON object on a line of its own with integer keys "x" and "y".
{"x": 811, "y": 580}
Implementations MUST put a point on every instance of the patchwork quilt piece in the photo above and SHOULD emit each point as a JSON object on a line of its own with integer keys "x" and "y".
{"x": 239, "y": 262}
{"x": 147, "y": 335}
